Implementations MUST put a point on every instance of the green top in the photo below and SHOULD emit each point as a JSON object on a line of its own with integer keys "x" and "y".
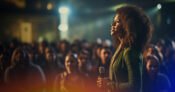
{"x": 126, "y": 71}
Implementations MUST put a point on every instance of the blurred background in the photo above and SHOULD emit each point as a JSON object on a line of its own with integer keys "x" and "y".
{"x": 43, "y": 33}
{"x": 52, "y": 20}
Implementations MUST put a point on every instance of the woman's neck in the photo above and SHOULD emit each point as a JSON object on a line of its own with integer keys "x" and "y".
{"x": 120, "y": 45}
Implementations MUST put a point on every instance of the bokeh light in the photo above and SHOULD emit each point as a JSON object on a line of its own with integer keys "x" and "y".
{"x": 159, "y": 6}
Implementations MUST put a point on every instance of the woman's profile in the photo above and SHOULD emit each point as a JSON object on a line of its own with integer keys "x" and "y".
{"x": 131, "y": 30}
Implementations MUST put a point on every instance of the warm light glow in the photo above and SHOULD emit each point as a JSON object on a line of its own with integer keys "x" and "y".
{"x": 63, "y": 10}
{"x": 49, "y": 6}
{"x": 63, "y": 18}
{"x": 64, "y": 25}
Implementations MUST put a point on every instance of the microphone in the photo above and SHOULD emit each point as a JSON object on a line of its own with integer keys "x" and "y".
{"x": 101, "y": 71}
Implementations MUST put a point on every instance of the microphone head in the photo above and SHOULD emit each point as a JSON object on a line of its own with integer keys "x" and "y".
{"x": 101, "y": 70}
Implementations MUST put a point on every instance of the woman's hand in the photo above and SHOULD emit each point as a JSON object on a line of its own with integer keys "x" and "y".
{"x": 102, "y": 82}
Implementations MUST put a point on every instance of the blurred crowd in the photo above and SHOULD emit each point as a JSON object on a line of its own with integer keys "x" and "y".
{"x": 74, "y": 67}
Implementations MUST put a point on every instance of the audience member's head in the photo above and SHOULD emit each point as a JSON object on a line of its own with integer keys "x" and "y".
{"x": 50, "y": 54}
{"x": 41, "y": 47}
{"x": 64, "y": 47}
{"x": 152, "y": 65}
{"x": 105, "y": 55}
{"x": 152, "y": 50}
{"x": 71, "y": 63}
{"x": 20, "y": 56}
{"x": 98, "y": 49}
{"x": 161, "y": 45}
{"x": 83, "y": 60}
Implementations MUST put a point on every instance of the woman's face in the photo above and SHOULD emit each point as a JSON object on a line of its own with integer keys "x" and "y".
{"x": 41, "y": 48}
{"x": 71, "y": 64}
{"x": 115, "y": 26}
{"x": 152, "y": 67}
{"x": 82, "y": 60}
{"x": 20, "y": 57}
{"x": 98, "y": 52}
{"x": 149, "y": 51}
{"x": 50, "y": 55}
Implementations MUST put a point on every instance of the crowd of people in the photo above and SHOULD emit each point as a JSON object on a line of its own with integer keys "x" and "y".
{"x": 74, "y": 67}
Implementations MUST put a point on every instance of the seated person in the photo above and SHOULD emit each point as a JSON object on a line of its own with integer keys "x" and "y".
{"x": 23, "y": 75}
{"x": 153, "y": 80}
{"x": 71, "y": 80}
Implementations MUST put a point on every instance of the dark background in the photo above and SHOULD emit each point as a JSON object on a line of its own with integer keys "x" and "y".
{"x": 88, "y": 19}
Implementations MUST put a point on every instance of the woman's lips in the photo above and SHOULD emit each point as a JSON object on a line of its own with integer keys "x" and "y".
{"x": 113, "y": 29}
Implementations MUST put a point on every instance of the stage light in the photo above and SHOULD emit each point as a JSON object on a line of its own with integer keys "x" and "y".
{"x": 49, "y": 6}
{"x": 63, "y": 27}
{"x": 63, "y": 10}
{"x": 159, "y": 6}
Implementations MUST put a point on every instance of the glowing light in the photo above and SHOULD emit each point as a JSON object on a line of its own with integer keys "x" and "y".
{"x": 159, "y": 6}
{"x": 49, "y": 6}
{"x": 63, "y": 27}
{"x": 63, "y": 10}
{"x": 40, "y": 39}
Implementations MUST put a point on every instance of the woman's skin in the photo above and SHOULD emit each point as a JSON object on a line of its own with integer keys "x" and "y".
{"x": 115, "y": 26}
{"x": 71, "y": 65}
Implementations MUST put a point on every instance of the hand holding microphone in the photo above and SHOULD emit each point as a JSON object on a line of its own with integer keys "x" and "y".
{"x": 101, "y": 80}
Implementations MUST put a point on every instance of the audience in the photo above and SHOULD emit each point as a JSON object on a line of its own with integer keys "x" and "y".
{"x": 153, "y": 80}
{"x": 63, "y": 65}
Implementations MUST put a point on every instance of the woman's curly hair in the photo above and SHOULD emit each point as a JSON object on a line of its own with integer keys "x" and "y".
{"x": 136, "y": 25}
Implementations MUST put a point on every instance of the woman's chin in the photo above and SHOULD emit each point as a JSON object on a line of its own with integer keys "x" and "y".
{"x": 112, "y": 33}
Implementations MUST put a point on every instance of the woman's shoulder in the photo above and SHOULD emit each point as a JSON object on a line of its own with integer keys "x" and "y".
{"x": 131, "y": 51}
{"x": 131, "y": 54}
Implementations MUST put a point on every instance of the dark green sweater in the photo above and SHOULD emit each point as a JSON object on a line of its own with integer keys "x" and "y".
{"x": 127, "y": 71}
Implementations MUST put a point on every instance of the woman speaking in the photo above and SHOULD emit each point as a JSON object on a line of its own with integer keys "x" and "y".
{"x": 131, "y": 30}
